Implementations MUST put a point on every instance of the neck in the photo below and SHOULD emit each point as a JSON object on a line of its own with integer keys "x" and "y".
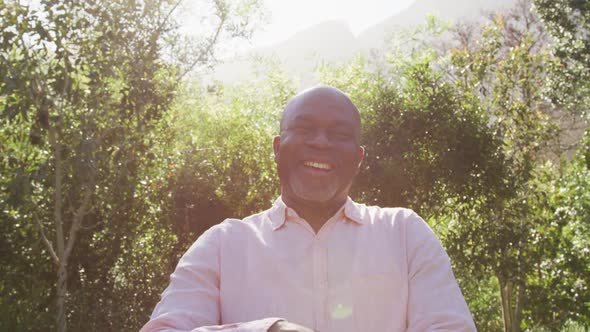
{"x": 315, "y": 213}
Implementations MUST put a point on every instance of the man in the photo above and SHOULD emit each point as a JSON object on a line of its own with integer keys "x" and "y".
{"x": 316, "y": 260}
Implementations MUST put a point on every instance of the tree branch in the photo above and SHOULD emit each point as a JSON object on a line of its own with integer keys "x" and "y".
{"x": 208, "y": 48}
{"x": 161, "y": 26}
{"x": 46, "y": 241}
{"x": 77, "y": 223}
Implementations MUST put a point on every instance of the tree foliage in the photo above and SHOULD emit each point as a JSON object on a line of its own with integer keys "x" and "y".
{"x": 85, "y": 87}
{"x": 568, "y": 22}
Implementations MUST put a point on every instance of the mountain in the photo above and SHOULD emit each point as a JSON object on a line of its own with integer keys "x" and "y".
{"x": 330, "y": 41}
{"x": 446, "y": 10}
{"x": 333, "y": 41}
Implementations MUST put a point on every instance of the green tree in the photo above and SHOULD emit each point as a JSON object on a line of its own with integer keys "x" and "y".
{"x": 225, "y": 140}
{"x": 83, "y": 86}
{"x": 560, "y": 285}
{"x": 507, "y": 235}
{"x": 568, "y": 22}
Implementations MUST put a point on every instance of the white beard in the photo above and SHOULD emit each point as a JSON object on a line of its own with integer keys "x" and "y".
{"x": 315, "y": 192}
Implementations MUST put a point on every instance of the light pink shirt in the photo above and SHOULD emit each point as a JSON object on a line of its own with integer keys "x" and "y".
{"x": 367, "y": 269}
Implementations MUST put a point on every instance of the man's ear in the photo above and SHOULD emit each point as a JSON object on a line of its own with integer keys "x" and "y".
{"x": 276, "y": 143}
{"x": 361, "y": 156}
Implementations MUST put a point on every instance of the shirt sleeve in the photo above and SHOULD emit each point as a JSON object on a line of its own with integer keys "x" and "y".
{"x": 191, "y": 301}
{"x": 435, "y": 301}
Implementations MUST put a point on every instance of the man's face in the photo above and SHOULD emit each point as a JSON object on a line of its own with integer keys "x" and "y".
{"x": 318, "y": 152}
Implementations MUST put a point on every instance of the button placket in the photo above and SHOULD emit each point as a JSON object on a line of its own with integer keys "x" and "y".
{"x": 320, "y": 283}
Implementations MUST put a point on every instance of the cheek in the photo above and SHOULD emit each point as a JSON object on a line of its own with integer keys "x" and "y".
{"x": 352, "y": 168}
{"x": 284, "y": 159}
{"x": 351, "y": 155}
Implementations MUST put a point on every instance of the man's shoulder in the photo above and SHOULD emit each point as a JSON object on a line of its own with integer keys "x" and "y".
{"x": 398, "y": 220}
{"x": 385, "y": 210}
{"x": 381, "y": 216}
{"x": 250, "y": 222}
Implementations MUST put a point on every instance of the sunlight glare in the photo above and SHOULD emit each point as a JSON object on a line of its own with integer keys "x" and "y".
{"x": 289, "y": 17}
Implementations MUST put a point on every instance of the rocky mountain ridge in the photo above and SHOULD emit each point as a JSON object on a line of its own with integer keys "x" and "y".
{"x": 334, "y": 42}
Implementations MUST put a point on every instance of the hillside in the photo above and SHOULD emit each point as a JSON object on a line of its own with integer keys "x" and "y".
{"x": 446, "y": 10}
{"x": 333, "y": 41}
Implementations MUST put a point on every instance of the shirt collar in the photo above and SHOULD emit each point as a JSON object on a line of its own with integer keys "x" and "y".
{"x": 278, "y": 212}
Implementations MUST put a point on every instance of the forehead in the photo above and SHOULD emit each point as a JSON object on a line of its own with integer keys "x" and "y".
{"x": 322, "y": 107}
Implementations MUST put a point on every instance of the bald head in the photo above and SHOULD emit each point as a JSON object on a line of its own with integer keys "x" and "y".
{"x": 317, "y": 98}
{"x": 318, "y": 152}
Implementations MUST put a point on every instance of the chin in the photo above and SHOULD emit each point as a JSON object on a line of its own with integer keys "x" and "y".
{"x": 316, "y": 195}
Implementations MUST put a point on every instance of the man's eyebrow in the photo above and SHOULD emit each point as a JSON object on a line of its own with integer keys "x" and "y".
{"x": 341, "y": 123}
{"x": 302, "y": 117}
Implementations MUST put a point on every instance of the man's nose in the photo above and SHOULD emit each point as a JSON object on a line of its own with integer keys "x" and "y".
{"x": 319, "y": 139}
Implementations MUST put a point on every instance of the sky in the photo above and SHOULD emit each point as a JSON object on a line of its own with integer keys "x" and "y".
{"x": 286, "y": 17}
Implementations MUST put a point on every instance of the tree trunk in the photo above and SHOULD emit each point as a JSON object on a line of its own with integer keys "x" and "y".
{"x": 518, "y": 308}
{"x": 511, "y": 308}
{"x": 505, "y": 299}
{"x": 62, "y": 287}
{"x": 59, "y": 234}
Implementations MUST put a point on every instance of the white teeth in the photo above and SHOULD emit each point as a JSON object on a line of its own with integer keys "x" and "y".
{"x": 317, "y": 165}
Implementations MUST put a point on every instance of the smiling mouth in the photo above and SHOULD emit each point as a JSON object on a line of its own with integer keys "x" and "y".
{"x": 318, "y": 165}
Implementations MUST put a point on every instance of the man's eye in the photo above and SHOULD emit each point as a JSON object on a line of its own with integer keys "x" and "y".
{"x": 301, "y": 130}
{"x": 342, "y": 135}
